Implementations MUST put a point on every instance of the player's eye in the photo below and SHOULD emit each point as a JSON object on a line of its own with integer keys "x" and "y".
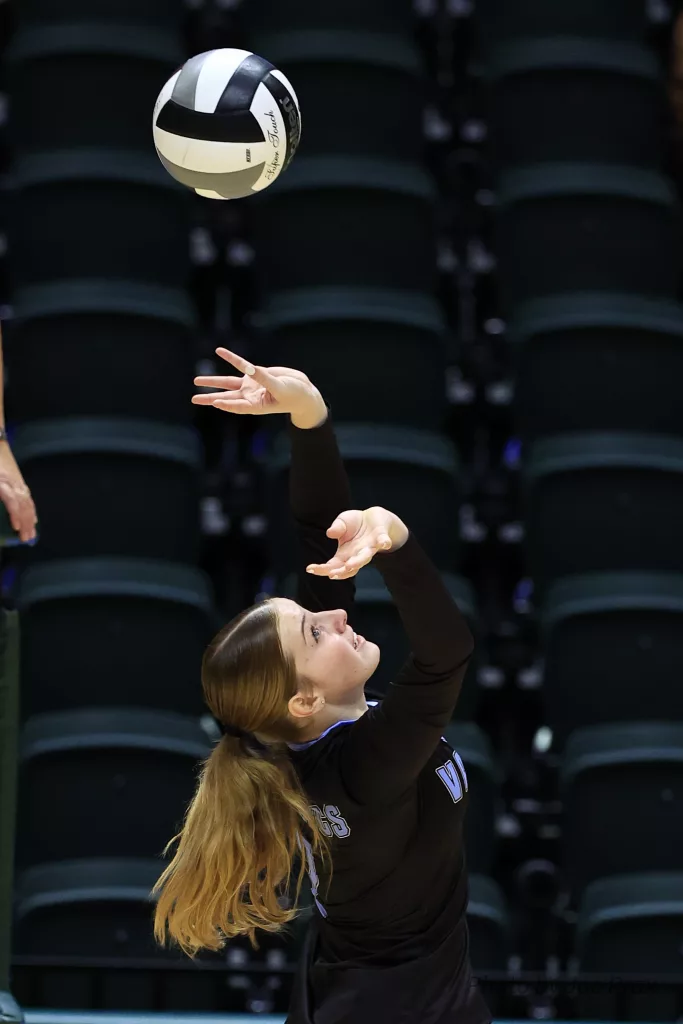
{"x": 315, "y": 633}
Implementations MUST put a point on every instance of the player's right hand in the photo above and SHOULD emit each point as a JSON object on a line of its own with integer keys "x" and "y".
{"x": 263, "y": 391}
{"x": 360, "y": 535}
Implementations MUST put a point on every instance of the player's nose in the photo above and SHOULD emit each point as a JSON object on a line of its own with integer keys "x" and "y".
{"x": 338, "y": 618}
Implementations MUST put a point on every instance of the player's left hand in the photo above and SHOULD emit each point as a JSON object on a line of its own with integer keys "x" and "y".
{"x": 360, "y": 535}
{"x": 263, "y": 391}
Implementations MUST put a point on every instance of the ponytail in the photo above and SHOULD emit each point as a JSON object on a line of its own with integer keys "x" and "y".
{"x": 241, "y": 837}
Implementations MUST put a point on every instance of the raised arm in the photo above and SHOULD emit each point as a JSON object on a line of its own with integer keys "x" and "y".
{"x": 386, "y": 749}
{"x": 318, "y": 491}
{"x": 318, "y": 485}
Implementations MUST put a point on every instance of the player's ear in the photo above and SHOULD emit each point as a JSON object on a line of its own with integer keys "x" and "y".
{"x": 304, "y": 705}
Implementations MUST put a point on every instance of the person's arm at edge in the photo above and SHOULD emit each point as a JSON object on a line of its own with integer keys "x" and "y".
{"x": 14, "y": 494}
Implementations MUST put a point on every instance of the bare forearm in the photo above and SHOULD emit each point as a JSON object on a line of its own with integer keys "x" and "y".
{"x": 310, "y": 418}
{"x": 2, "y": 382}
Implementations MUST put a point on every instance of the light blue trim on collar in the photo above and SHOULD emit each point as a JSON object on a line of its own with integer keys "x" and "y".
{"x": 345, "y": 721}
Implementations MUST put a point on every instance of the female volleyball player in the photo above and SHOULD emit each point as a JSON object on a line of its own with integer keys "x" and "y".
{"x": 369, "y": 799}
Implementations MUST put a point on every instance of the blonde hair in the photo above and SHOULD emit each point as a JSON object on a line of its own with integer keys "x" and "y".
{"x": 245, "y": 826}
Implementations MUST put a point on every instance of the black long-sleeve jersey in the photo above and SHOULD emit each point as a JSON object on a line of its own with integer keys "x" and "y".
{"x": 389, "y": 939}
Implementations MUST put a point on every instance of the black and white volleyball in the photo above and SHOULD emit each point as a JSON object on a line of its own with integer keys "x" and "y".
{"x": 227, "y": 124}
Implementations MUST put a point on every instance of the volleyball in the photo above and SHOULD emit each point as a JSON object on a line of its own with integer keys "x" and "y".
{"x": 227, "y": 124}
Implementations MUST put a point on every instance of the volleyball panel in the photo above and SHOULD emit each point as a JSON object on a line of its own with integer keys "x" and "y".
{"x": 271, "y": 121}
{"x": 216, "y": 74}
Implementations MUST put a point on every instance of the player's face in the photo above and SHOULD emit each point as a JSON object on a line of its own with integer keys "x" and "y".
{"x": 326, "y": 650}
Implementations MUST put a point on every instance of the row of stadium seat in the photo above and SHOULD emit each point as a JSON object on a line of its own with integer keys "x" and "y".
{"x": 588, "y": 239}
{"x": 620, "y": 225}
{"x": 100, "y": 251}
{"x": 500, "y": 23}
{"x": 606, "y": 94}
{"x": 101, "y": 907}
{"x": 346, "y": 241}
{"x": 135, "y": 766}
{"x": 596, "y": 503}
{"x": 113, "y": 304}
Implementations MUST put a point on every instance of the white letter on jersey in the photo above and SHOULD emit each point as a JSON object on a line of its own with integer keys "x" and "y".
{"x": 339, "y": 824}
{"x": 320, "y": 819}
{"x": 330, "y": 821}
{"x": 454, "y": 778}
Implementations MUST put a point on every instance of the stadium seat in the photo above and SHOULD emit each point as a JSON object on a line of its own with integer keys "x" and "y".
{"x": 81, "y": 203}
{"x": 484, "y": 779}
{"x": 499, "y": 21}
{"x": 116, "y": 67}
{"x": 344, "y": 221}
{"x": 396, "y": 337}
{"x": 489, "y": 925}
{"x": 91, "y": 907}
{"x": 631, "y": 925}
{"x": 133, "y": 487}
{"x": 102, "y": 908}
{"x": 575, "y": 99}
{"x": 120, "y": 334}
{"x": 412, "y": 472}
{"x": 381, "y": 16}
{"x": 621, "y": 786}
{"x": 130, "y": 12}
{"x": 490, "y": 929}
{"x": 359, "y": 73}
{"x": 377, "y": 618}
{"x": 612, "y": 650}
{"x": 619, "y": 227}
{"x": 112, "y": 782}
{"x": 597, "y": 502}
{"x": 102, "y": 630}
{"x": 623, "y": 354}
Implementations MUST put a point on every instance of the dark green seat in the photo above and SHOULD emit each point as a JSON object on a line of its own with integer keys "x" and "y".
{"x": 490, "y": 928}
{"x": 344, "y": 221}
{"x": 102, "y": 908}
{"x": 622, "y": 789}
{"x": 99, "y": 631}
{"x": 389, "y": 332}
{"x": 58, "y": 195}
{"x": 104, "y": 327}
{"x": 489, "y": 925}
{"x": 152, "y": 12}
{"x": 112, "y": 64}
{"x": 500, "y": 22}
{"x": 111, "y": 782}
{"x": 132, "y": 486}
{"x": 633, "y": 345}
{"x": 376, "y": 617}
{"x": 395, "y": 16}
{"x": 599, "y": 502}
{"x": 612, "y": 649}
{"x": 631, "y": 925}
{"x": 619, "y": 230}
{"x": 573, "y": 98}
{"x": 412, "y": 472}
{"x": 358, "y": 72}
{"x": 483, "y": 776}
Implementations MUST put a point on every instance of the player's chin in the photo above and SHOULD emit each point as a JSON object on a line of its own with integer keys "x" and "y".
{"x": 370, "y": 653}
